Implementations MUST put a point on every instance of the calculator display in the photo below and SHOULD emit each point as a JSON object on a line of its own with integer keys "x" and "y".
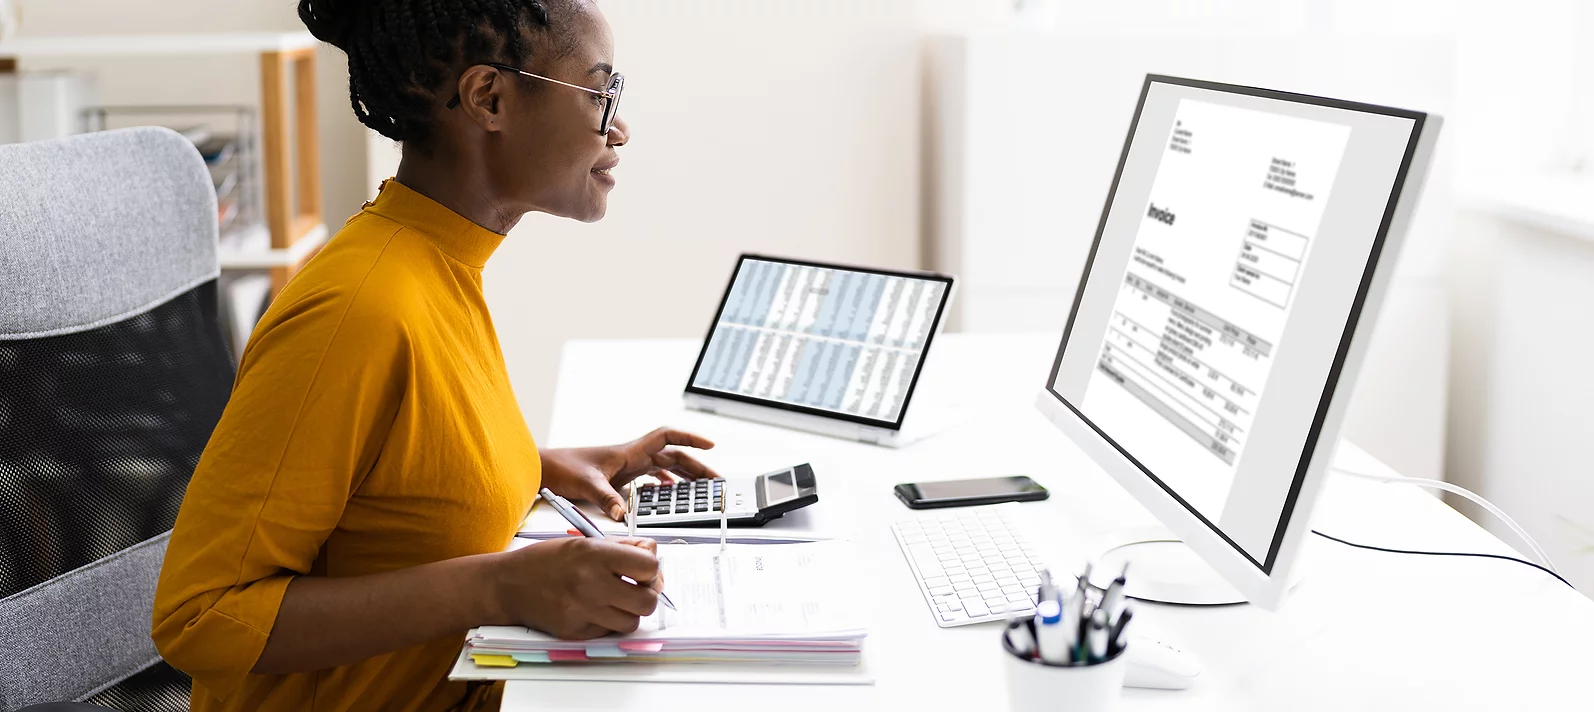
{"x": 787, "y": 484}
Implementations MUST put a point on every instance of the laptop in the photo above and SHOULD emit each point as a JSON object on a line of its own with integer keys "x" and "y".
{"x": 823, "y": 348}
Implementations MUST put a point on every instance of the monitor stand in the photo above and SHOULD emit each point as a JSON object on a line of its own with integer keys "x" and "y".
{"x": 1161, "y": 569}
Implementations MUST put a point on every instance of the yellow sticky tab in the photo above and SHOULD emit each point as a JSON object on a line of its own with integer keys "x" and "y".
{"x": 494, "y": 660}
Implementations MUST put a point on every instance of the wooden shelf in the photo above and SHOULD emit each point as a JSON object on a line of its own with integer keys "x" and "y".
{"x": 266, "y": 257}
{"x": 157, "y": 45}
{"x": 292, "y": 169}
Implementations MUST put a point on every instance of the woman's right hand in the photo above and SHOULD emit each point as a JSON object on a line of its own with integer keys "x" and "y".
{"x": 570, "y": 588}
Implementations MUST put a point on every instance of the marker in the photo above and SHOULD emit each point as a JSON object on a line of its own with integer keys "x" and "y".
{"x": 588, "y": 529}
{"x": 1049, "y": 634}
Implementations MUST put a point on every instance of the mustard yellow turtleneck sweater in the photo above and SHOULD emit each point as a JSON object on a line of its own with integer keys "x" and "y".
{"x": 371, "y": 427}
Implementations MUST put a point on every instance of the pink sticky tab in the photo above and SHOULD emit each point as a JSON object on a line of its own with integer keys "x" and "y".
{"x": 567, "y": 656}
{"x": 641, "y": 646}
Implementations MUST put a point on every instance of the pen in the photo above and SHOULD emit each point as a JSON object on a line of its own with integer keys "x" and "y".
{"x": 1118, "y": 635}
{"x": 1047, "y": 590}
{"x": 587, "y": 529}
{"x": 1112, "y": 600}
{"x": 1021, "y": 639}
{"x": 1098, "y": 636}
{"x": 1070, "y": 627}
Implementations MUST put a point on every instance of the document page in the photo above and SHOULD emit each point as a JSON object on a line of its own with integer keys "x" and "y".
{"x": 1218, "y": 256}
{"x": 755, "y": 591}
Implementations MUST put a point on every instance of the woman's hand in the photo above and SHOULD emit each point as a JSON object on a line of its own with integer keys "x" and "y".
{"x": 595, "y": 473}
{"x": 571, "y": 588}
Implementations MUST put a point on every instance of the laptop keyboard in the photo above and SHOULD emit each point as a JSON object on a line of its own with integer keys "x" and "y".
{"x": 971, "y": 564}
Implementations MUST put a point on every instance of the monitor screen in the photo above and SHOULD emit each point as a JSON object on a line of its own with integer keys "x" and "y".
{"x": 836, "y": 341}
{"x": 1226, "y": 279}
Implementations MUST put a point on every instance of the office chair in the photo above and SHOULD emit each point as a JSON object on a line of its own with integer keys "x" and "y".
{"x": 113, "y": 373}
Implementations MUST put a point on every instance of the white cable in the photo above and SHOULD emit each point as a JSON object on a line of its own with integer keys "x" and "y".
{"x": 1464, "y": 492}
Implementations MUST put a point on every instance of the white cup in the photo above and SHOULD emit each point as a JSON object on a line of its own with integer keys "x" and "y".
{"x": 1034, "y": 686}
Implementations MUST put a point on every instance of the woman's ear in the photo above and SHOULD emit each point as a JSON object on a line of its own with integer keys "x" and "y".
{"x": 480, "y": 89}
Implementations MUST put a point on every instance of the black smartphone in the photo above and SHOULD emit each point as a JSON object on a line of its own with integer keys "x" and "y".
{"x": 966, "y": 493}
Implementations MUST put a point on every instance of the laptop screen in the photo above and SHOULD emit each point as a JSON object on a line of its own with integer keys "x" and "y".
{"x": 841, "y": 342}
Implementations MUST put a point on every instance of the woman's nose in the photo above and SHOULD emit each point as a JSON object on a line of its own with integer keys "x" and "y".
{"x": 619, "y": 132}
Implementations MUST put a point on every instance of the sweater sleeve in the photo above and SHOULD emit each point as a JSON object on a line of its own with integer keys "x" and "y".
{"x": 318, "y": 390}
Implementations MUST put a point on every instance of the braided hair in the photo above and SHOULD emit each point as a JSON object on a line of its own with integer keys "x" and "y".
{"x": 402, "y": 52}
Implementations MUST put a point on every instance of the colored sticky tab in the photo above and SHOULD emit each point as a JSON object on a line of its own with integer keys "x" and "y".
{"x": 604, "y": 650}
{"x": 492, "y": 660}
{"x": 566, "y": 656}
{"x": 536, "y": 656}
{"x": 641, "y": 646}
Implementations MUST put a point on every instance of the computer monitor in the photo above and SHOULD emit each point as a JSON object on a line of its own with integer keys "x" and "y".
{"x": 1246, "y": 244}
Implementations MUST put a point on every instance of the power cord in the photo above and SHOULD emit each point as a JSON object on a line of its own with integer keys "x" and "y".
{"x": 1521, "y": 533}
{"x": 1524, "y": 562}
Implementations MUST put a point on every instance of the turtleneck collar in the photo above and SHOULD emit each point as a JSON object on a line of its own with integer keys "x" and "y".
{"x": 451, "y": 232}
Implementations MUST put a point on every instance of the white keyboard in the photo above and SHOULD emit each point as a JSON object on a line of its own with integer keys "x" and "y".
{"x": 971, "y": 564}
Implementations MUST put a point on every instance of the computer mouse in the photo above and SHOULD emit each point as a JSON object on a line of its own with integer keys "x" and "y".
{"x": 1158, "y": 665}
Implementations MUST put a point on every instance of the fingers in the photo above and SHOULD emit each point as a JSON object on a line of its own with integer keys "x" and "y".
{"x": 640, "y": 542}
{"x": 609, "y": 500}
{"x": 659, "y": 439}
{"x": 615, "y": 619}
{"x": 652, "y": 546}
{"x": 634, "y": 560}
{"x": 682, "y": 463}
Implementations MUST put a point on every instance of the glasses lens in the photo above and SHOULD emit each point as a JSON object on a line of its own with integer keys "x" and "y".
{"x": 611, "y": 106}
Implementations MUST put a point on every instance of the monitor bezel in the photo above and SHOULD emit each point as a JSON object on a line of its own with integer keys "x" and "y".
{"x": 1397, "y": 190}
{"x": 913, "y": 385}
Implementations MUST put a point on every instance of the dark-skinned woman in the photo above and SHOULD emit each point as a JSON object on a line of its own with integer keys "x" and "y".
{"x": 348, "y": 520}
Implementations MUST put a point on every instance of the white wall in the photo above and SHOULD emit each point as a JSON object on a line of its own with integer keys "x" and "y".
{"x": 784, "y": 128}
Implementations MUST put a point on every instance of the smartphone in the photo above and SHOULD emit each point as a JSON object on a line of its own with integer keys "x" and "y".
{"x": 966, "y": 493}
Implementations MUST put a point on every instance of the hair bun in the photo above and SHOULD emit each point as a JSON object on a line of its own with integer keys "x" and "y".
{"x": 331, "y": 21}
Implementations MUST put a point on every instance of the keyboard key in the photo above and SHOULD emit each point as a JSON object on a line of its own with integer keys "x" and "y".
{"x": 986, "y": 587}
{"x": 975, "y": 607}
{"x": 984, "y": 578}
{"x": 936, "y": 582}
{"x": 946, "y": 590}
{"x": 964, "y": 589}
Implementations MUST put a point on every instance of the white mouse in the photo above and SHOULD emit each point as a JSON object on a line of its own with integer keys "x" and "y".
{"x": 1157, "y": 665}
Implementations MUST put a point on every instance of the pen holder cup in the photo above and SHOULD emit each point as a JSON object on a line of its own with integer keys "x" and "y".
{"x": 1034, "y": 686}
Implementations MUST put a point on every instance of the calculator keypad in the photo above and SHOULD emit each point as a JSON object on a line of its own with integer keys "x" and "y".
{"x": 696, "y": 497}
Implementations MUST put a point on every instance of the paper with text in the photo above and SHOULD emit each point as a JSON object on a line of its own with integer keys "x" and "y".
{"x": 1218, "y": 256}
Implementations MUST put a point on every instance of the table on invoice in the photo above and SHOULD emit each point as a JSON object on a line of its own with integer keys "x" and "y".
{"x": 1364, "y": 630}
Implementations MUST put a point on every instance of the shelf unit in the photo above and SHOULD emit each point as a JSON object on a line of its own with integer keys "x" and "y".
{"x": 294, "y": 226}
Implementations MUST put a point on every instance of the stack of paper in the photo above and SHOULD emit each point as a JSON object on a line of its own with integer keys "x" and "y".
{"x": 790, "y": 604}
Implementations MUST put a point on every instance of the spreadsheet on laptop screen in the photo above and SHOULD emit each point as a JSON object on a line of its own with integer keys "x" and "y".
{"x": 826, "y": 338}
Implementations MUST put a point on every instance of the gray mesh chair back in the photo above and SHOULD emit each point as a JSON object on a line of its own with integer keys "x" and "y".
{"x": 113, "y": 373}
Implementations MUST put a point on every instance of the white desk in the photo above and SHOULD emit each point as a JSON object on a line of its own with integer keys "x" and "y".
{"x": 1366, "y": 630}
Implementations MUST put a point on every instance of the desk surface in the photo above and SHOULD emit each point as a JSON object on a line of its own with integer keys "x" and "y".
{"x": 1364, "y": 630}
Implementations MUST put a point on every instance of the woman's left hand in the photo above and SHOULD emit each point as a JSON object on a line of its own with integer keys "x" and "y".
{"x": 595, "y": 473}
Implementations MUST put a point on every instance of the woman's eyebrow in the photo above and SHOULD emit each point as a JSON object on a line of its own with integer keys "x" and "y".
{"x": 603, "y": 67}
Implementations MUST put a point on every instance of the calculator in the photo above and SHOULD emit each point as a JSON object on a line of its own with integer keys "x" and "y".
{"x": 747, "y": 502}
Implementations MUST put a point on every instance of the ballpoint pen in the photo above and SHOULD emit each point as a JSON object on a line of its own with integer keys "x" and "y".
{"x": 1112, "y": 600}
{"x": 584, "y": 525}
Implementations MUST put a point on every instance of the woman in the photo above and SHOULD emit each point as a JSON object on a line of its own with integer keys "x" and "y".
{"x": 347, "y": 521}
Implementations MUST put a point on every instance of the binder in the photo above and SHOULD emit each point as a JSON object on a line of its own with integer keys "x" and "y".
{"x": 748, "y": 613}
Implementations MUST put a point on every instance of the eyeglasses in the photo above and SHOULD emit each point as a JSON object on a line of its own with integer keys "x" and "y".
{"x": 610, "y": 94}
